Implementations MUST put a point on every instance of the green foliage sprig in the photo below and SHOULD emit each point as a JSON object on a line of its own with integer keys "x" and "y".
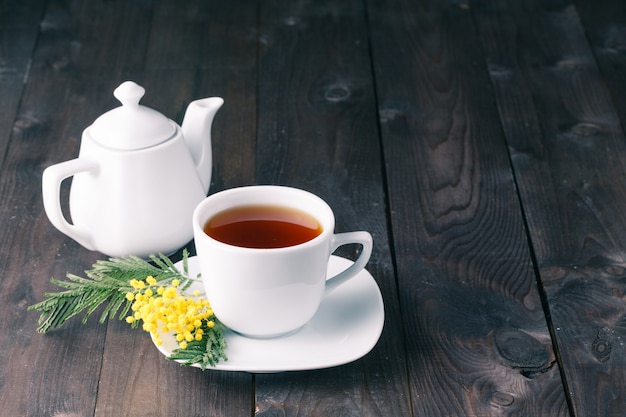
{"x": 208, "y": 351}
{"x": 108, "y": 284}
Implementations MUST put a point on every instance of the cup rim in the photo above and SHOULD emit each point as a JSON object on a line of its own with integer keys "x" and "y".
{"x": 328, "y": 224}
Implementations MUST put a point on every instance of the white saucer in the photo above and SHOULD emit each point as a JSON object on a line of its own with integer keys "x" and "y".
{"x": 347, "y": 326}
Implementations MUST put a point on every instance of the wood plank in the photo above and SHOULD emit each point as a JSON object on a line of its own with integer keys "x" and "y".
{"x": 478, "y": 340}
{"x": 19, "y": 26}
{"x": 61, "y": 373}
{"x": 57, "y": 373}
{"x": 189, "y": 58}
{"x": 568, "y": 152}
{"x": 214, "y": 47}
{"x": 604, "y": 22}
{"x": 317, "y": 131}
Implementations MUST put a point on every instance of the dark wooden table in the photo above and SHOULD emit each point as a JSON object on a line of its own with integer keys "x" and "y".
{"x": 480, "y": 142}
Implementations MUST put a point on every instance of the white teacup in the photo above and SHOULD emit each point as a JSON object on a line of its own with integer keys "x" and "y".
{"x": 269, "y": 292}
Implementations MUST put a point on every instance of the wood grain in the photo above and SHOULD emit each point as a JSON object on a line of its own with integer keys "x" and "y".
{"x": 19, "y": 26}
{"x": 604, "y": 23}
{"x": 188, "y": 60}
{"x": 569, "y": 165}
{"x": 210, "y": 49}
{"x": 57, "y": 373}
{"x": 317, "y": 131}
{"x": 64, "y": 71}
{"x": 478, "y": 343}
{"x": 481, "y": 142}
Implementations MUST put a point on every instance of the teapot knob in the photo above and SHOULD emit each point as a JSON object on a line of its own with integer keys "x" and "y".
{"x": 129, "y": 93}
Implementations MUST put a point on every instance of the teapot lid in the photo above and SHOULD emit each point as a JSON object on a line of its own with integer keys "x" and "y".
{"x": 131, "y": 126}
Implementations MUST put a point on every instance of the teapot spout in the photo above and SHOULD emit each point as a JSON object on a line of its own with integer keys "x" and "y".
{"x": 196, "y": 128}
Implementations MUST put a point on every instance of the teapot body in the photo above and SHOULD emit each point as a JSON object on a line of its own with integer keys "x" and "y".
{"x": 137, "y": 179}
{"x": 136, "y": 202}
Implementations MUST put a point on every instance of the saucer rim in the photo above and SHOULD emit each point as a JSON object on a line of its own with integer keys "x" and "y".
{"x": 375, "y": 330}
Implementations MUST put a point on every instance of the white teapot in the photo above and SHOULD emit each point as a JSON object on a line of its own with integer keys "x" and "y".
{"x": 137, "y": 179}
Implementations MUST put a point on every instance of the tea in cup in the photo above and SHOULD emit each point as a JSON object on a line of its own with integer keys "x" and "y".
{"x": 263, "y": 253}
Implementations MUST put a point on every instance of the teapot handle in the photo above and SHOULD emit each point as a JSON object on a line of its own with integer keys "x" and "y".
{"x": 51, "y": 188}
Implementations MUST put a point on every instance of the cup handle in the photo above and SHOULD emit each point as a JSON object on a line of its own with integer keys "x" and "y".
{"x": 340, "y": 239}
{"x": 51, "y": 189}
